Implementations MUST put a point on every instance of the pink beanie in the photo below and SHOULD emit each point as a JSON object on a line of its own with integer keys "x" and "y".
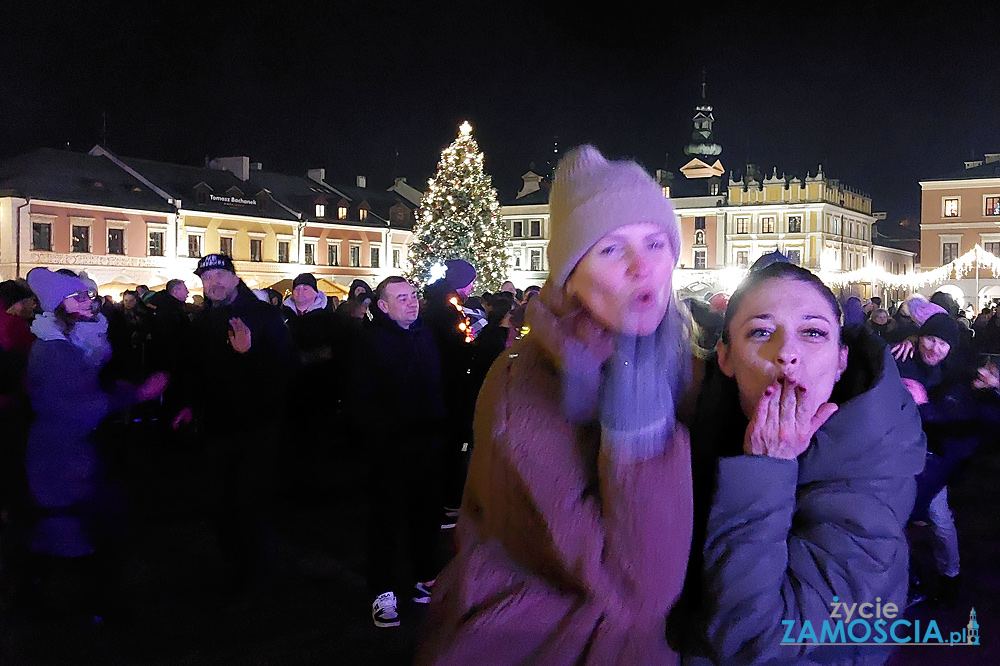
{"x": 921, "y": 309}
{"x": 593, "y": 196}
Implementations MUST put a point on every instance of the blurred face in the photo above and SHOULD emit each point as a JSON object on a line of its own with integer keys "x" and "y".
{"x": 400, "y": 303}
{"x": 933, "y": 349}
{"x": 624, "y": 279}
{"x": 180, "y": 292}
{"x": 82, "y": 306}
{"x": 786, "y": 332}
{"x": 219, "y": 285}
{"x": 881, "y": 318}
{"x": 303, "y": 296}
{"x": 128, "y": 301}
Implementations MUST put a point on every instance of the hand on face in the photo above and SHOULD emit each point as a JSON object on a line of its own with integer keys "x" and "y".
{"x": 784, "y": 422}
{"x": 988, "y": 377}
{"x": 239, "y": 335}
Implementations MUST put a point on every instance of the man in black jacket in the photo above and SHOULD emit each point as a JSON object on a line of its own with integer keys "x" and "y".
{"x": 242, "y": 357}
{"x": 402, "y": 376}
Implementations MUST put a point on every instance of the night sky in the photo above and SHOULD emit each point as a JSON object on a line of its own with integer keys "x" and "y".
{"x": 881, "y": 97}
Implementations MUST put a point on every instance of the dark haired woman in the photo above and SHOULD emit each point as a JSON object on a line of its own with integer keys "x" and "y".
{"x": 63, "y": 465}
{"x": 808, "y": 446}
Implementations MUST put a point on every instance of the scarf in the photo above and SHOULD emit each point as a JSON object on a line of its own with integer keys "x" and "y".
{"x": 91, "y": 337}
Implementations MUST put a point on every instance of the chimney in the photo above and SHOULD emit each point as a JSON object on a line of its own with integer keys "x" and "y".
{"x": 992, "y": 157}
{"x": 362, "y": 181}
{"x": 238, "y": 166}
{"x": 318, "y": 175}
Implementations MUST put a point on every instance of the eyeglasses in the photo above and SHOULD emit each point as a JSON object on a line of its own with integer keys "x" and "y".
{"x": 84, "y": 296}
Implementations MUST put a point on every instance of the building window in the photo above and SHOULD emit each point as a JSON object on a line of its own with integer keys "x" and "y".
{"x": 320, "y": 210}
{"x": 116, "y": 241}
{"x": 226, "y": 245}
{"x": 355, "y": 256}
{"x": 949, "y": 252}
{"x": 283, "y": 248}
{"x": 993, "y": 248}
{"x": 666, "y": 191}
{"x": 794, "y": 224}
{"x": 374, "y": 254}
{"x": 699, "y": 222}
{"x": 41, "y": 236}
{"x": 992, "y": 206}
{"x": 699, "y": 259}
{"x": 951, "y": 207}
{"x": 536, "y": 228}
{"x": 362, "y": 214}
{"x": 310, "y": 253}
{"x": 332, "y": 254}
{"x": 536, "y": 260}
{"x": 518, "y": 231}
{"x": 342, "y": 213}
{"x": 194, "y": 245}
{"x": 81, "y": 238}
{"x": 396, "y": 258}
{"x": 767, "y": 225}
{"x": 795, "y": 257}
{"x": 743, "y": 258}
{"x": 256, "y": 249}
{"x": 517, "y": 259}
{"x": 156, "y": 243}
{"x": 743, "y": 225}
{"x": 699, "y": 237}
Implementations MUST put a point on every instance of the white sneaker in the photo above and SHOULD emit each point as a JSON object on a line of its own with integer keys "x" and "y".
{"x": 384, "y": 610}
{"x": 422, "y": 592}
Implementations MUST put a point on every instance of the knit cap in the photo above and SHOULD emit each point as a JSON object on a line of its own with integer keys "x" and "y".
{"x": 941, "y": 325}
{"x": 460, "y": 273}
{"x": 921, "y": 309}
{"x": 307, "y": 279}
{"x": 53, "y": 288}
{"x": 593, "y": 196}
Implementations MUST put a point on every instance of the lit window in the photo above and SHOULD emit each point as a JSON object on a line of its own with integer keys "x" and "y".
{"x": 743, "y": 225}
{"x": 256, "y": 249}
{"x": 699, "y": 259}
{"x": 283, "y": 247}
{"x": 342, "y": 213}
{"x": 41, "y": 236}
{"x": 767, "y": 225}
{"x": 116, "y": 241}
{"x": 536, "y": 260}
{"x": 396, "y": 258}
{"x": 992, "y": 206}
{"x": 743, "y": 258}
{"x": 320, "y": 210}
{"x": 949, "y": 252}
{"x": 194, "y": 245}
{"x": 81, "y": 239}
{"x": 666, "y": 191}
{"x": 362, "y": 214}
{"x": 310, "y": 252}
{"x": 951, "y": 207}
{"x": 156, "y": 243}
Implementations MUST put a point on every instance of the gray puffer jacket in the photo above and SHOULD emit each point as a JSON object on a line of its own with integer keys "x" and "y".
{"x": 784, "y": 537}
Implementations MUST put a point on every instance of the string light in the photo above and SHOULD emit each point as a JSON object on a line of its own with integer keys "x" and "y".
{"x": 464, "y": 325}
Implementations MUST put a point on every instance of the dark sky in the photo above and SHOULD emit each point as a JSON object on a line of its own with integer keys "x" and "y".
{"x": 880, "y": 97}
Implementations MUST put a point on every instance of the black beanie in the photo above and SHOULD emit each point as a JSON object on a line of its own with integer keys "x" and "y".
{"x": 941, "y": 326}
{"x": 305, "y": 278}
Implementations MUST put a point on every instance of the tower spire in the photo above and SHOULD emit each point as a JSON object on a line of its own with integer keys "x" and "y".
{"x": 703, "y": 83}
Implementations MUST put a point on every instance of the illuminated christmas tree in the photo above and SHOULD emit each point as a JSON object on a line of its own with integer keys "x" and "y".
{"x": 459, "y": 218}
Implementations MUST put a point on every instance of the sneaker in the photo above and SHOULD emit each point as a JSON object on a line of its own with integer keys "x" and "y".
{"x": 422, "y": 592}
{"x": 384, "y": 610}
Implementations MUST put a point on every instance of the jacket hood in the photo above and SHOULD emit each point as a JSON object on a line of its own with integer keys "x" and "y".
{"x": 876, "y": 434}
{"x": 319, "y": 303}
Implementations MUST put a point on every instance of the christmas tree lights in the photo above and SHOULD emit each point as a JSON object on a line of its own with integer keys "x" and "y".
{"x": 459, "y": 218}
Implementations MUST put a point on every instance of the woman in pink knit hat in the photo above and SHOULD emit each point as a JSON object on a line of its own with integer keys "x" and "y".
{"x": 576, "y": 520}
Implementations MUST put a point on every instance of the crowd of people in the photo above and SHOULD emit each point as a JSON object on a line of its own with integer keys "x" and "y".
{"x": 634, "y": 477}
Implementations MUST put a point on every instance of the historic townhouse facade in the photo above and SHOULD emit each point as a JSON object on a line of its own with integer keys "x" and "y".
{"x": 130, "y": 221}
{"x": 527, "y": 220}
{"x": 957, "y": 212}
